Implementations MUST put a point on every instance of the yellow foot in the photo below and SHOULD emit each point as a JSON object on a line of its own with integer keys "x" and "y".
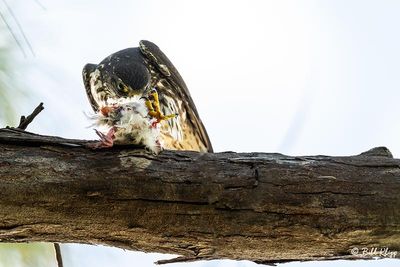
{"x": 153, "y": 105}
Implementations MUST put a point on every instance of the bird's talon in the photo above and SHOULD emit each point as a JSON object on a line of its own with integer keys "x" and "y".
{"x": 153, "y": 105}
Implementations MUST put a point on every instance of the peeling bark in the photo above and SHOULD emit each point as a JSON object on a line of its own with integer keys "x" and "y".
{"x": 262, "y": 207}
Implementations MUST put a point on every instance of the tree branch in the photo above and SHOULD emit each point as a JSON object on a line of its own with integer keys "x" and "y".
{"x": 262, "y": 207}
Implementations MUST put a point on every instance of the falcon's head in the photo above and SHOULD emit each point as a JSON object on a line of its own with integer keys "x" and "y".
{"x": 121, "y": 75}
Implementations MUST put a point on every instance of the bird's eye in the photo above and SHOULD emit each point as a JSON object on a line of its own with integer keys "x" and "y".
{"x": 122, "y": 88}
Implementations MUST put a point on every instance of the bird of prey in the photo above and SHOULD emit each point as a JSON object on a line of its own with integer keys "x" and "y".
{"x": 145, "y": 72}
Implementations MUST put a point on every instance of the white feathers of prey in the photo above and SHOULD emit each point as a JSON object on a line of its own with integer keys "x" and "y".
{"x": 131, "y": 122}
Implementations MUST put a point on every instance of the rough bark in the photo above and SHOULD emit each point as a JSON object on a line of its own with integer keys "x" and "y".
{"x": 261, "y": 207}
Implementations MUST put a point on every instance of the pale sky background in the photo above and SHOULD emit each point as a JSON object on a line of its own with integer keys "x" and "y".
{"x": 295, "y": 77}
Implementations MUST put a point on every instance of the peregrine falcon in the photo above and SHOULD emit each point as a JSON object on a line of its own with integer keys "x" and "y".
{"x": 145, "y": 72}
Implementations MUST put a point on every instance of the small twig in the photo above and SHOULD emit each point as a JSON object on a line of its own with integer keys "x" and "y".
{"x": 178, "y": 259}
{"x": 13, "y": 34}
{"x": 19, "y": 26}
{"x": 40, "y": 4}
{"x": 25, "y": 121}
{"x": 58, "y": 255}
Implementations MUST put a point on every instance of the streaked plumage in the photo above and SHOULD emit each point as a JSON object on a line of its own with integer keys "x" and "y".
{"x": 135, "y": 72}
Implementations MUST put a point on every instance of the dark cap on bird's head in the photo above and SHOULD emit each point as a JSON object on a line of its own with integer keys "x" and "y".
{"x": 126, "y": 72}
{"x": 130, "y": 79}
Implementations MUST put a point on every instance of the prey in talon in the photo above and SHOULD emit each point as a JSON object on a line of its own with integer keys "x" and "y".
{"x": 140, "y": 98}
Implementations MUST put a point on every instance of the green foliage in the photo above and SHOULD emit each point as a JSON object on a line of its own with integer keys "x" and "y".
{"x": 7, "y": 111}
{"x": 27, "y": 255}
{"x": 10, "y": 91}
